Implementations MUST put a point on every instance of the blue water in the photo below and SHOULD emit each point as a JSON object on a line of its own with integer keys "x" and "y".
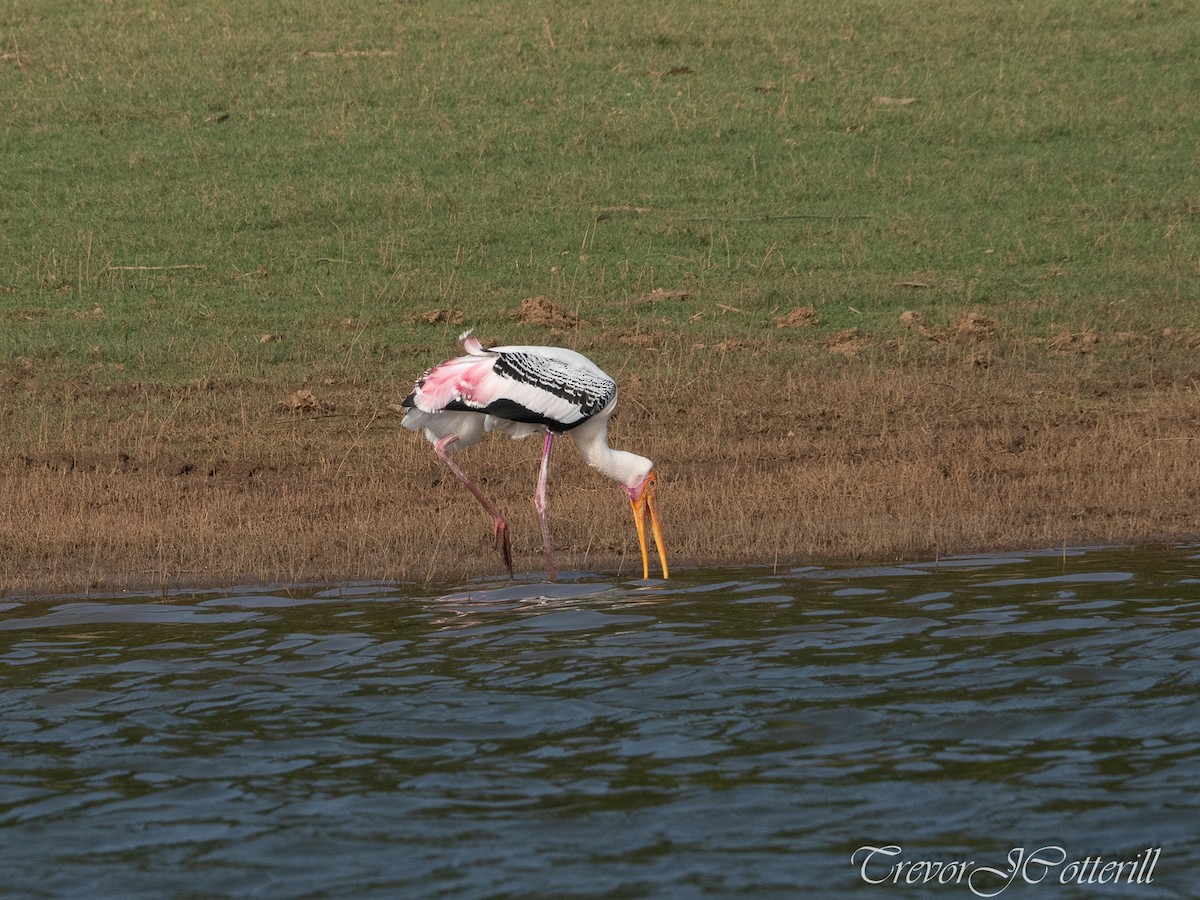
{"x": 726, "y": 733}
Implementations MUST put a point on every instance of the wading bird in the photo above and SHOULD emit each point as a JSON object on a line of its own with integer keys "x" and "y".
{"x": 522, "y": 391}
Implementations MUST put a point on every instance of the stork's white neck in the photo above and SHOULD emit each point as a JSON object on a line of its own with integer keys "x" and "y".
{"x": 591, "y": 438}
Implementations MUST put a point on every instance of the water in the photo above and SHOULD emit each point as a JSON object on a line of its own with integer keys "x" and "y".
{"x": 723, "y": 734}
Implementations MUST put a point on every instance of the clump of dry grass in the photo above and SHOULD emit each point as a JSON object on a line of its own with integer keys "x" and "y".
{"x": 759, "y": 463}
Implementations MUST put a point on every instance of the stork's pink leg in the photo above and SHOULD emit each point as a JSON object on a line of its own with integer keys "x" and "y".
{"x": 539, "y": 502}
{"x": 499, "y": 526}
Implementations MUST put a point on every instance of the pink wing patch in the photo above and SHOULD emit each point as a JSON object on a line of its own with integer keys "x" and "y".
{"x": 468, "y": 379}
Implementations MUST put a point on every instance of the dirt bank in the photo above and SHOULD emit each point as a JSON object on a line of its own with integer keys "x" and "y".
{"x": 223, "y": 484}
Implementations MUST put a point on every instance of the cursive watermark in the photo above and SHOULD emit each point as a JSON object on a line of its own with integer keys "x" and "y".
{"x": 1050, "y": 864}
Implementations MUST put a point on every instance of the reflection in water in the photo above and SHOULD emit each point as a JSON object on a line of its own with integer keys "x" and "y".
{"x": 722, "y": 733}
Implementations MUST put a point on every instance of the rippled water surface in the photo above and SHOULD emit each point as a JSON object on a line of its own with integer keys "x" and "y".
{"x": 725, "y": 733}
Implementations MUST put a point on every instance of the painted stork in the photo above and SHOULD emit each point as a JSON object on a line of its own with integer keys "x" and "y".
{"x": 522, "y": 391}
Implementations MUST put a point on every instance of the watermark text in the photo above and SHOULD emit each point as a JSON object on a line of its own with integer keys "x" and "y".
{"x": 887, "y": 865}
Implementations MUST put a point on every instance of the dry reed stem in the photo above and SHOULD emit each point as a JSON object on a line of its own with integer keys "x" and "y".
{"x": 228, "y": 488}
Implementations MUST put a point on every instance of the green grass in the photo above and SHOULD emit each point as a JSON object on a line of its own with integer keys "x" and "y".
{"x": 326, "y": 174}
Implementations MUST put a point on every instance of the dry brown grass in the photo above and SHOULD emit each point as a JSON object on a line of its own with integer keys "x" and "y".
{"x": 149, "y": 486}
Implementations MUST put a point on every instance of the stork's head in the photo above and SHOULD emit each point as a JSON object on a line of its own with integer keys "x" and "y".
{"x": 641, "y": 499}
{"x": 635, "y": 474}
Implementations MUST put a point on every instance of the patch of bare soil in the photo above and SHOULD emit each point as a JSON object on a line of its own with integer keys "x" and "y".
{"x": 848, "y": 343}
{"x": 1076, "y": 342}
{"x": 302, "y": 400}
{"x": 661, "y": 295}
{"x": 972, "y": 328}
{"x": 434, "y": 316}
{"x": 800, "y": 317}
{"x": 975, "y": 332}
{"x": 544, "y": 313}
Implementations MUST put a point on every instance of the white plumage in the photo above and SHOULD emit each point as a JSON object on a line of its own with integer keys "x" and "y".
{"x": 550, "y": 387}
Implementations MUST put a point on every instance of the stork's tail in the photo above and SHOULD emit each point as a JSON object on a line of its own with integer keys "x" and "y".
{"x": 472, "y": 344}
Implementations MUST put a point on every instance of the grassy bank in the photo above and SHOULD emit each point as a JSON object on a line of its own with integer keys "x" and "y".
{"x": 919, "y": 277}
